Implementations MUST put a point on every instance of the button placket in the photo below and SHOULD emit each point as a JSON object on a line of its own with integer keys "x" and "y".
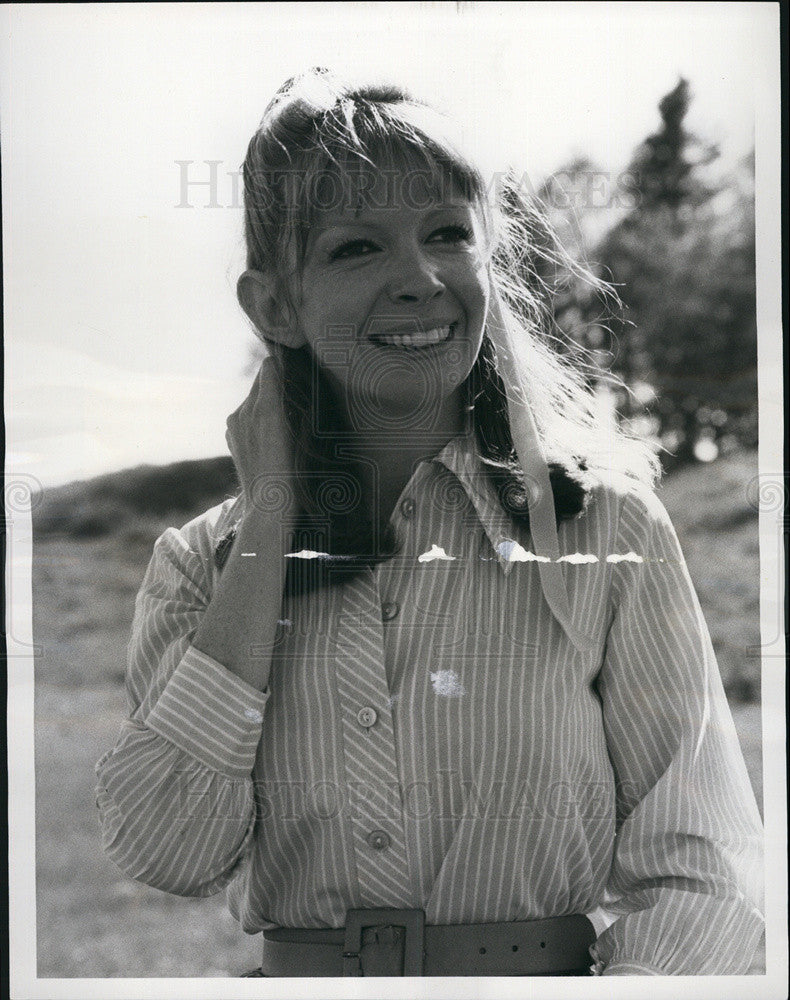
{"x": 371, "y": 766}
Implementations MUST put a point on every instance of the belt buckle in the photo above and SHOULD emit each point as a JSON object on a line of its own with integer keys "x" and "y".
{"x": 413, "y": 923}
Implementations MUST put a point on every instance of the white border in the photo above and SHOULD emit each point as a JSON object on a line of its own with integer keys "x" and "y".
{"x": 25, "y": 985}
{"x": 773, "y": 490}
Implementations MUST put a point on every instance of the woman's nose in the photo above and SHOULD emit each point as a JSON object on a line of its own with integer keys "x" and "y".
{"x": 413, "y": 279}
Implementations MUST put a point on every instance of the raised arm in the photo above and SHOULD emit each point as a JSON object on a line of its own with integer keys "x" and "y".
{"x": 175, "y": 795}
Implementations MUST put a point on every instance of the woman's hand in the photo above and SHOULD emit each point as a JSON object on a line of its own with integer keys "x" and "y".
{"x": 260, "y": 443}
{"x": 239, "y": 626}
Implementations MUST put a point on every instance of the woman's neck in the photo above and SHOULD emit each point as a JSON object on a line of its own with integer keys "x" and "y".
{"x": 392, "y": 453}
{"x": 409, "y": 437}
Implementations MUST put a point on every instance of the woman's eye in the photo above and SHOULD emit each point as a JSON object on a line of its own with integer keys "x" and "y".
{"x": 354, "y": 248}
{"x": 452, "y": 234}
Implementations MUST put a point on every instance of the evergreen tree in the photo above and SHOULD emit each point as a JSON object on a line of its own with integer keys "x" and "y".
{"x": 683, "y": 263}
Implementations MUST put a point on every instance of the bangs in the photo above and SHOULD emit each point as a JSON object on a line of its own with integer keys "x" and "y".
{"x": 324, "y": 147}
{"x": 379, "y": 156}
{"x": 353, "y": 179}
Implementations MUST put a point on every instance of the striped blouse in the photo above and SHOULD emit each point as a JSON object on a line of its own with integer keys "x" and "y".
{"x": 430, "y": 738}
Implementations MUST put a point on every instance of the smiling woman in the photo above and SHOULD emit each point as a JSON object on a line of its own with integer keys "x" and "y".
{"x": 411, "y": 286}
{"x": 480, "y": 730}
{"x": 385, "y": 222}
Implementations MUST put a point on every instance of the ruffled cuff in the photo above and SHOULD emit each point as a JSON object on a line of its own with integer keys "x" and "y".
{"x": 210, "y": 714}
{"x": 682, "y": 934}
{"x": 624, "y": 969}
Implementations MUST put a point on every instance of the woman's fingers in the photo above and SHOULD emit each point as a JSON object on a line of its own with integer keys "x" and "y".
{"x": 257, "y": 433}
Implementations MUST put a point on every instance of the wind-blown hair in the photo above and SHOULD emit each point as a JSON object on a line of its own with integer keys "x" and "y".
{"x": 321, "y": 141}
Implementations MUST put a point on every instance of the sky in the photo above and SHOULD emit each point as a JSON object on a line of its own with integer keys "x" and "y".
{"x": 124, "y": 343}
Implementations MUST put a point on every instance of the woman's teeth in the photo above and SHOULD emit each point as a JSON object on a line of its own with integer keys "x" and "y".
{"x": 434, "y": 336}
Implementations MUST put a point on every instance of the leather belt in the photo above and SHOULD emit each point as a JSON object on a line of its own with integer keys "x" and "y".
{"x": 392, "y": 942}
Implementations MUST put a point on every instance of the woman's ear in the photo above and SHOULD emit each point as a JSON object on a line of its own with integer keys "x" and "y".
{"x": 268, "y": 311}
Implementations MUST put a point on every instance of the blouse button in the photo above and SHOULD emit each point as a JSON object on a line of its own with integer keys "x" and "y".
{"x": 367, "y": 717}
{"x": 378, "y": 840}
{"x": 407, "y": 508}
{"x": 390, "y": 610}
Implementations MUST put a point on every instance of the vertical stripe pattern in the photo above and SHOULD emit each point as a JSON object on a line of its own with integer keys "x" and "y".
{"x": 430, "y": 738}
{"x": 371, "y": 764}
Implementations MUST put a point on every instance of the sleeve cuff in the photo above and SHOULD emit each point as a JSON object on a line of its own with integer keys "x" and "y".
{"x": 683, "y": 933}
{"x": 211, "y": 714}
{"x": 631, "y": 969}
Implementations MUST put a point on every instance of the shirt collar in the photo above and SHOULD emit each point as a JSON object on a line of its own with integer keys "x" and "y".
{"x": 460, "y": 456}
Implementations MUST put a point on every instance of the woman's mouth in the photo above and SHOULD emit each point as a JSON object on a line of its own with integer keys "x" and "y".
{"x": 427, "y": 338}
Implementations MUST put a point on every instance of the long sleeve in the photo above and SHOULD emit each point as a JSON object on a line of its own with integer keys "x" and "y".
{"x": 686, "y": 876}
{"x": 175, "y": 794}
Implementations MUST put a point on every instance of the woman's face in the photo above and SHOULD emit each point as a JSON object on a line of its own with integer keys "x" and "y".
{"x": 393, "y": 299}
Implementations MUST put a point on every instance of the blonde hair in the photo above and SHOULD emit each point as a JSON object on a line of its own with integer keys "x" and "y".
{"x": 319, "y": 140}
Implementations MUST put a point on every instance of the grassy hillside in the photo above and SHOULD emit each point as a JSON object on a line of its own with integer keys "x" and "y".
{"x": 92, "y": 543}
{"x": 717, "y": 527}
{"x": 136, "y": 497}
